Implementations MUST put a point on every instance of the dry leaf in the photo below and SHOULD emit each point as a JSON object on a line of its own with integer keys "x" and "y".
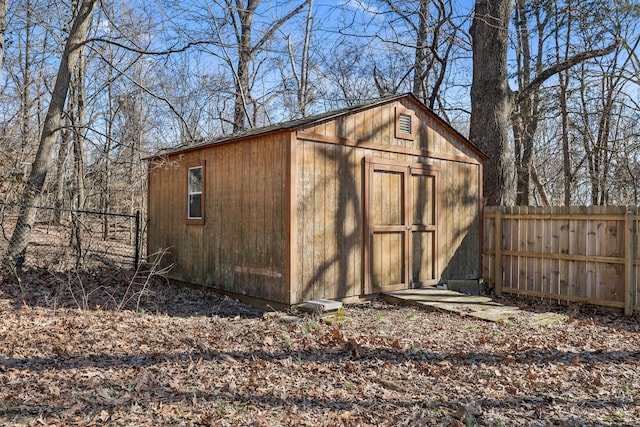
{"x": 118, "y": 367}
{"x": 576, "y": 361}
{"x": 73, "y": 410}
{"x": 267, "y": 340}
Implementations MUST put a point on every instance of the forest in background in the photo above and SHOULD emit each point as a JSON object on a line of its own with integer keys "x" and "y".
{"x": 159, "y": 74}
{"x": 102, "y": 84}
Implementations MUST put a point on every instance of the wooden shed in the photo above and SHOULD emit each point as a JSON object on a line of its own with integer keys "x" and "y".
{"x": 376, "y": 197}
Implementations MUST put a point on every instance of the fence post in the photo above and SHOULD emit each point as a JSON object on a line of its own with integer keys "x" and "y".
{"x": 629, "y": 253}
{"x": 137, "y": 246}
{"x": 498, "y": 245}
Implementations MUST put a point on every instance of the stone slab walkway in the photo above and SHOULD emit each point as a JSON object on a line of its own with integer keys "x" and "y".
{"x": 477, "y": 306}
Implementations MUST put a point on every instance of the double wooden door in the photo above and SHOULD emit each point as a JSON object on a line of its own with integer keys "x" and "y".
{"x": 401, "y": 221}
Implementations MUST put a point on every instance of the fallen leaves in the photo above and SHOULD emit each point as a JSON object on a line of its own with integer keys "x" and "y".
{"x": 192, "y": 357}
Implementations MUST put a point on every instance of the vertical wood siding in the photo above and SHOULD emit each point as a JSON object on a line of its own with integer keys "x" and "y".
{"x": 240, "y": 247}
{"x": 330, "y": 201}
{"x": 329, "y": 215}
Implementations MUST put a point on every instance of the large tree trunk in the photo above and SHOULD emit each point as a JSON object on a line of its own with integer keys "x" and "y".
{"x": 491, "y": 104}
{"x": 41, "y": 164}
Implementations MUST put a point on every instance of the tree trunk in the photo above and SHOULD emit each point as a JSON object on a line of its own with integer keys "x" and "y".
{"x": 246, "y": 54}
{"x": 523, "y": 145}
{"x": 563, "y": 83}
{"x": 59, "y": 176}
{"x": 544, "y": 197}
{"x": 491, "y": 104}
{"x": 564, "y": 120}
{"x": 303, "y": 87}
{"x": 41, "y": 164}
{"x": 3, "y": 28}
{"x": 78, "y": 124}
{"x": 27, "y": 141}
{"x": 302, "y": 77}
{"x": 77, "y": 113}
{"x": 525, "y": 117}
{"x": 244, "y": 58}
{"x": 105, "y": 161}
{"x": 420, "y": 63}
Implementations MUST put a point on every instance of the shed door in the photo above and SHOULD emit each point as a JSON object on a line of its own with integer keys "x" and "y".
{"x": 400, "y": 224}
{"x": 424, "y": 237}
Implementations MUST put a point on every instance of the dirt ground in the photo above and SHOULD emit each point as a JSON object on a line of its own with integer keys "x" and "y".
{"x": 105, "y": 348}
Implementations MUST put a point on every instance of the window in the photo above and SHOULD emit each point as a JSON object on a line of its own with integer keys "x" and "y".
{"x": 406, "y": 123}
{"x": 195, "y": 186}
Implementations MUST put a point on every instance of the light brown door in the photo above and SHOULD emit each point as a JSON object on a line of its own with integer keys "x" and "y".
{"x": 424, "y": 236}
{"x": 400, "y": 226}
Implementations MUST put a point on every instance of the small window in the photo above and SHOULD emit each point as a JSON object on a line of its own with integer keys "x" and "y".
{"x": 195, "y": 186}
{"x": 406, "y": 123}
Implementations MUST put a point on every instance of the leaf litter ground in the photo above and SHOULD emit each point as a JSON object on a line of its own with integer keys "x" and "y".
{"x": 105, "y": 348}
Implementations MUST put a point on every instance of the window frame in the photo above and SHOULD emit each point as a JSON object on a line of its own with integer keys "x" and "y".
{"x": 189, "y": 167}
{"x": 401, "y": 111}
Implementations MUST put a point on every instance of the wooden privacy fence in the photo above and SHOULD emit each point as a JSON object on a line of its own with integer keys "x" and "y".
{"x": 580, "y": 254}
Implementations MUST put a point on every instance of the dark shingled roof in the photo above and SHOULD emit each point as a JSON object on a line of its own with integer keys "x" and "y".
{"x": 298, "y": 123}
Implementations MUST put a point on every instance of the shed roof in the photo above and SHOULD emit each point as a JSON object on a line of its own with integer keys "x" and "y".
{"x": 305, "y": 121}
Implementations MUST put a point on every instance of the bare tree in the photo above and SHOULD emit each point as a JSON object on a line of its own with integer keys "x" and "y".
{"x": 301, "y": 72}
{"x": 77, "y": 36}
{"x": 345, "y": 76}
{"x": 61, "y": 167}
{"x": 527, "y": 112}
{"x": 435, "y": 40}
{"x": 241, "y": 16}
{"x": 414, "y": 44}
{"x": 492, "y": 98}
{"x": 563, "y": 85}
{"x": 3, "y": 28}
{"x": 76, "y": 113}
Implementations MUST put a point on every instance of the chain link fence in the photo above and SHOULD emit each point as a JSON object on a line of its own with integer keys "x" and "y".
{"x": 63, "y": 239}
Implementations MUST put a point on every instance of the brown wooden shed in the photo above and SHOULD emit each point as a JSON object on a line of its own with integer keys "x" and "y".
{"x": 372, "y": 198}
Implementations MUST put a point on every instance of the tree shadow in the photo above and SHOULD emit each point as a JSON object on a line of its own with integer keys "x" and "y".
{"x": 159, "y": 389}
{"x": 348, "y": 204}
{"x": 336, "y": 352}
{"x": 116, "y": 289}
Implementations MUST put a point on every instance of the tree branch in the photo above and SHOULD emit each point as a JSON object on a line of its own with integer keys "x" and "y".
{"x": 277, "y": 24}
{"x": 562, "y": 66}
{"x": 150, "y": 52}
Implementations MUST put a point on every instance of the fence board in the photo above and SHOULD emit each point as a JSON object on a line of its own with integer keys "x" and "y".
{"x": 587, "y": 254}
{"x": 547, "y": 247}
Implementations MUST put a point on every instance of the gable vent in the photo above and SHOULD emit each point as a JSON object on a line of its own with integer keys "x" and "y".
{"x": 404, "y": 122}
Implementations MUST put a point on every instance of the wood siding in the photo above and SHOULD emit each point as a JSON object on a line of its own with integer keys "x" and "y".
{"x": 329, "y": 207}
{"x": 284, "y": 209}
{"x": 329, "y": 221}
{"x": 241, "y": 245}
{"x": 459, "y": 220}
